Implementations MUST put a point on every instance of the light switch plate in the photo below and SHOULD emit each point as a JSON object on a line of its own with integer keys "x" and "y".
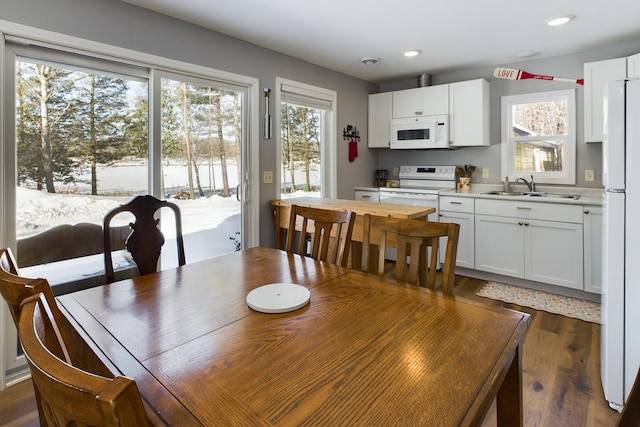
{"x": 589, "y": 175}
{"x": 267, "y": 177}
{"x": 485, "y": 173}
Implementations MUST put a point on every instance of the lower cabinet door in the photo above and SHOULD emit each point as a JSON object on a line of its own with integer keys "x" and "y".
{"x": 466, "y": 248}
{"x": 553, "y": 253}
{"x": 500, "y": 245}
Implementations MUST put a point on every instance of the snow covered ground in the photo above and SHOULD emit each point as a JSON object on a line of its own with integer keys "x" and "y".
{"x": 38, "y": 211}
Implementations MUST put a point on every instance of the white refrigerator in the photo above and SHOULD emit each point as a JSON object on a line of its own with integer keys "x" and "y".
{"x": 620, "y": 337}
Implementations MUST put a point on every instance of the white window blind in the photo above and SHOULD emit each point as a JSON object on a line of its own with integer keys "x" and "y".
{"x": 304, "y": 97}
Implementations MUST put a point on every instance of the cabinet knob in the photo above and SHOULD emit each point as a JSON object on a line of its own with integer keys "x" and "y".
{"x": 520, "y": 223}
{"x": 586, "y": 211}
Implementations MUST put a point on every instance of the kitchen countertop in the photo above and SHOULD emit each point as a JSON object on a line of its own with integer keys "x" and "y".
{"x": 588, "y": 196}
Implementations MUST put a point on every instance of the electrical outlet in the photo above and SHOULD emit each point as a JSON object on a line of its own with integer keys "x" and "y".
{"x": 395, "y": 171}
{"x": 485, "y": 173}
{"x": 589, "y": 175}
{"x": 267, "y": 177}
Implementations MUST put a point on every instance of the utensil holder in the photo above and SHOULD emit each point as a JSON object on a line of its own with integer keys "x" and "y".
{"x": 464, "y": 184}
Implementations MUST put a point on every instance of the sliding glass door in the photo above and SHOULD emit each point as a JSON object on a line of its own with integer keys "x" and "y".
{"x": 85, "y": 134}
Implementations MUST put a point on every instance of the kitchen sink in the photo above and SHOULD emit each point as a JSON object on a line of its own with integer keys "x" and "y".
{"x": 563, "y": 196}
{"x": 504, "y": 193}
{"x": 533, "y": 194}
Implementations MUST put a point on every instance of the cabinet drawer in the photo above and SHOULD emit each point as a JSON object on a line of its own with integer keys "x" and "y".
{"x": 367, "y": 196}
{"x": 456, "y": 204}
{"x": 531, "y": 210}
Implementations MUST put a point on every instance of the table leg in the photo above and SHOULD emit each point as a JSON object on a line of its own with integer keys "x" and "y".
{"x": 509, "y": 399}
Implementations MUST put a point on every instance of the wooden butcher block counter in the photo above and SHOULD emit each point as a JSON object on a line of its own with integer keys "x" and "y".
{"x": 283, "y": 209}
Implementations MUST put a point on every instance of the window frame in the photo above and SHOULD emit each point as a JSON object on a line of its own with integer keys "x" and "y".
{"x": 328, "y": 153}
{"x": 568, "y": 175}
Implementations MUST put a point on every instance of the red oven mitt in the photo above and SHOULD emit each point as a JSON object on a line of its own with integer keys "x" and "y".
{"x": 353, "y": 150}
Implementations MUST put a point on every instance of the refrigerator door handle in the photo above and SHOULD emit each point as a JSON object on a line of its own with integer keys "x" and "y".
{"x": 615, "y": 190}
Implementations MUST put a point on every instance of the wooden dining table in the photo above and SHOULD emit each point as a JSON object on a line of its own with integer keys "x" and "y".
{"x": 363, "y": 351}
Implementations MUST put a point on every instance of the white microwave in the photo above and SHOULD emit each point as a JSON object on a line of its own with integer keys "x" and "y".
{"x": 420, "y": 132}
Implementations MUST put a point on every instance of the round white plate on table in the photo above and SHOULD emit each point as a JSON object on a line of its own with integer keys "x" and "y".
{"x": 278, "y": 298}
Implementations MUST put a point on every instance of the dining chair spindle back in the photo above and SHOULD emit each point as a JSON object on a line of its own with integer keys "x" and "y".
{"x": 146, "y": 240}
{"x": 412, "y": 237}
{"x": 70, "y": 395}
{"x": 324, "y": 234}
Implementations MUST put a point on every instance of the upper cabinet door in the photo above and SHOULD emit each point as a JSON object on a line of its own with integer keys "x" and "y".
{"x": 379, "y": 130}
{"x": 469, "y": 113}
{"x": 596, "y": 76}
{"x": 633, "y": 66}
{"x": 422, "y": 101}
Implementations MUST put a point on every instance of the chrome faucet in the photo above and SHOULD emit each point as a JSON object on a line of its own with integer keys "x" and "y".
{"x": 530, "y": 184}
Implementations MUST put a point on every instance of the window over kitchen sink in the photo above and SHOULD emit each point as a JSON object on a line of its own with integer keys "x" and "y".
{"x": 539, "y": 136}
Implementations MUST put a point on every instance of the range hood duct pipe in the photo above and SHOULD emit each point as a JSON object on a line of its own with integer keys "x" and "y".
{"x": 424, "y": 80}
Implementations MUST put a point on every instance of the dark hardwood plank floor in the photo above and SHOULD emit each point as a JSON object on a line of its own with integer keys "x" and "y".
{"x": 561, "y": 372}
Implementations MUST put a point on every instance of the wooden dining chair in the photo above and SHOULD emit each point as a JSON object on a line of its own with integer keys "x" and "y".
{"x": 413, "y": 237}
{"x": 69, "y": 395}
{"x": 323, "y": 234}
{"x": 146, "y": 240}
{"x": 15, "y": 289}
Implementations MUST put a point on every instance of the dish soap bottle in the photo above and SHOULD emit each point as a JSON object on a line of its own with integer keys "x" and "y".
{"x": 506, "y": 187}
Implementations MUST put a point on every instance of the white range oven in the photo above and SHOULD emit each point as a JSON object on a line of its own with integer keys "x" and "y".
{"x": 419, "y": 186}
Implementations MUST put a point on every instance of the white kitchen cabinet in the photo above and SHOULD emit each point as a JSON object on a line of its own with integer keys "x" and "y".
{"x": 534, "y": 241}
{"x": 367, "y": 196}
{"x": 459, "y": 210}
{"x": 596, "y": 76}
{"x": 469, "y": 113}
{"x": 422, "y": 101}
{"x": 633, "y": 66}
{"x": 592, "y": 220}
{"x": 499, "y": 245}
{"x": 379, "y": 130}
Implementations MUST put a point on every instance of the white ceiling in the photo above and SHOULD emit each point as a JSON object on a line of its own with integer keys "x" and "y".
{"x": 452, "y": 34}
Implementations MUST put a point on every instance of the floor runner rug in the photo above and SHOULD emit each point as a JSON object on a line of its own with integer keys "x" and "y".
{"x": 553, "y": 303}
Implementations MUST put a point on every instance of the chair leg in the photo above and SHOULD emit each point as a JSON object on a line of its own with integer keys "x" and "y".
{"x": 433, "y": 264}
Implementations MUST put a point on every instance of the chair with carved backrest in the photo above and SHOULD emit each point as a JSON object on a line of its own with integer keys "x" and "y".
{"x": 329, "y": 232}
{"x": 146, "y": 240}
{"x": 15, "y": 289}
{"x": 70, "y": 395}
{"x": 412, "y": 237}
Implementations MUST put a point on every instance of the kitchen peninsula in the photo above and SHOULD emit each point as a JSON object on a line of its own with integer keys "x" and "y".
{"x": 283, "y": 209}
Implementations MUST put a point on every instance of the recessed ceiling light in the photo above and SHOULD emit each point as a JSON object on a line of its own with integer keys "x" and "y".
{"x": 559, "y": 20}
{"x": 369, "y": 61}
{"x": 411, "y": 53}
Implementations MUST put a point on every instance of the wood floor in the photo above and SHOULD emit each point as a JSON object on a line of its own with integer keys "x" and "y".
{"x": 561, "y": 372}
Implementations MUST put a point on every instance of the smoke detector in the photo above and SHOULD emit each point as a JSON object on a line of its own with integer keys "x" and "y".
{"x": 369, "y": 61}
